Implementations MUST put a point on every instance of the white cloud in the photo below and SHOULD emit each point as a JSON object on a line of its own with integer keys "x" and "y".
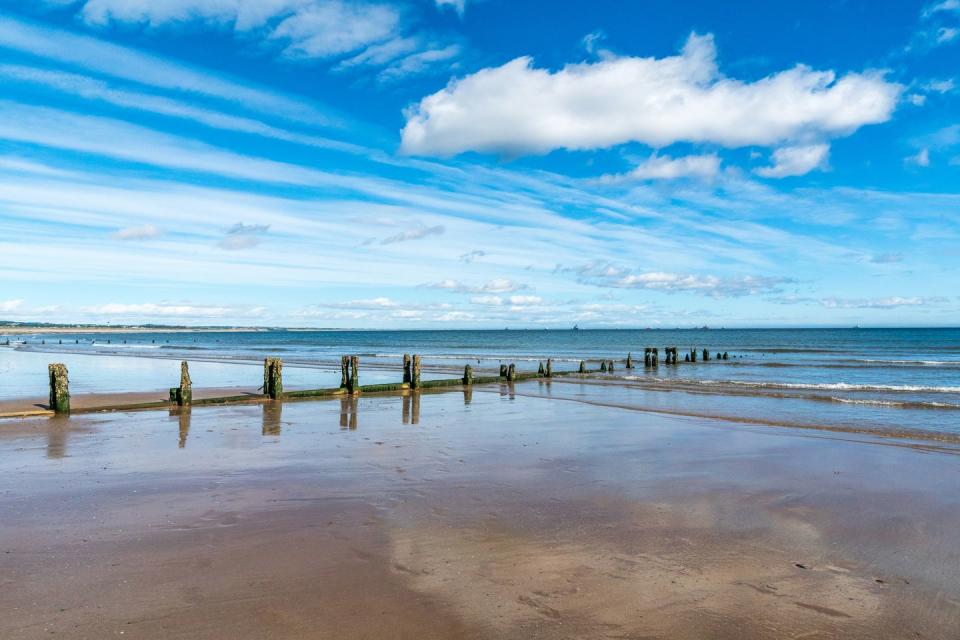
{"x": 494, "y": 301}
{"x": 796, "y": 161}
{"x": 920, "y": 159}
{"x": 331, "y": 28}
{"x": 502, "y": 285}
{"x": 947, "y": 34}
{"x": 496, "y": 285}
{"x": 8, "y": 306}
{"x": 945, "y": 5}
{"x": 243, "y": 236}
{"x": 141, "y": 232}
{"x": 520, "y": 109}
{"x": 940, "y": 86}
{"x": 667, "y": 168}
{"x": 371, "y": 303}
{"x": 710, "y": 285}
{"x": 522, "y": 301}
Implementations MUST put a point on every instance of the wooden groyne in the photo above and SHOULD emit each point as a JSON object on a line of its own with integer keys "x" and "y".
{"x": 272, "y": 389}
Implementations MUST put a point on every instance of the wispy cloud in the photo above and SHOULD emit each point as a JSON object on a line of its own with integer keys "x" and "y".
{"x": 667, "y": 168}
{"x": 877, "y": 303}
{"x": 887, "y": 258}
{"x": 414, "y": 234}
{"x": 373, "y": 33}
{"x": 169, "y": 310}
{"x": 129, "y": 64}
{"x": 243, "y": 236}
{"x": 141, "y": 232}
{"x": 470, "y": 256}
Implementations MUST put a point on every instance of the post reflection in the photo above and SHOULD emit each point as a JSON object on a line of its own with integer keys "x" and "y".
{"x": 508, "y": 390}
{"x": 415, "y": 408}
{"x": 57, "y": 430}
{"x": 272, "y": 413}
{"x": 467, "y": 394}
{"x": 405, "y": 410}
{"x": 348, "y": 412}
{"x": 183, "y": 416}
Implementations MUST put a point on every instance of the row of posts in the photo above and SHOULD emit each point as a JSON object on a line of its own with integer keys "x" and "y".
{"x": 350, "y": 374}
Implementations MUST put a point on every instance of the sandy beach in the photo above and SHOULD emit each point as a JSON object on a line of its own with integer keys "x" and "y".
{"x": 489, "y": 515}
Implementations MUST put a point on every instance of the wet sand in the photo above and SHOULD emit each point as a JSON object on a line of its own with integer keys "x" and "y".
{"x": 490, "y": 515}
{"x": 19, "y": 407}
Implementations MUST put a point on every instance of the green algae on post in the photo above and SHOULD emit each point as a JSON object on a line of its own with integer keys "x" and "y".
{"x": 59, "y": 388}
{"x": 185, "y": 390}
{"x": 273, "y": 377}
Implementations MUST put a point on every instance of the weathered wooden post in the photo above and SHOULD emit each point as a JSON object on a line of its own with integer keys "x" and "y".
{"x": 512, "y": 372}
{"x": 503, "y": 370}
{"x": 610, "y": 366}
{"x": 541, "y": 371}
{"x": 415, "y": 377}
{"x": 647, "y": 358}
{"x": 654, "y": 357}
{"x": 406, "y": 368}
{"x": 549, "y": 370}
{"x": 719, "y": 356}
{"x": 354, "y": 384}
{"x": 185, "y": 390}
{"x": 603, "y": 366}
{"x": 344, "y": 371}
{"x": 693, "y": 354}
{"x": 583, "y": 367}
{"x": 467, "y": 375}
{"x": 59, "y": 388}
{"x": 686, "y": 358}
{"x": 706, "y": 355}
{"x": 273, "y": 377}
{"x": 725, "y": 355}
{"x": 629, "y": 360}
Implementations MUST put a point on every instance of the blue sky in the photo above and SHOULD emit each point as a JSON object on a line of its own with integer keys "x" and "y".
{"x": 480, "y": 163}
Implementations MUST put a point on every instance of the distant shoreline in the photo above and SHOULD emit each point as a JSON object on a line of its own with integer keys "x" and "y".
{"x": 21, "y": 330}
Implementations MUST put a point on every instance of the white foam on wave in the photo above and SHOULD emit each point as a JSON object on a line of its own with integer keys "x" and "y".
{"x": 810, "y": 386}
{"x": 893, "y": 403}
{"x": 919, "y": 363}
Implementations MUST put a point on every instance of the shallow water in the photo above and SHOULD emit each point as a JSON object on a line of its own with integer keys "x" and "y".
{"x": 485, "y": 514}
{"x": 900, "y": 380}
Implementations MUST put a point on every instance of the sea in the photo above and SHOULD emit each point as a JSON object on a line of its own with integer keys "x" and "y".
{"x": 899, "y": 381}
